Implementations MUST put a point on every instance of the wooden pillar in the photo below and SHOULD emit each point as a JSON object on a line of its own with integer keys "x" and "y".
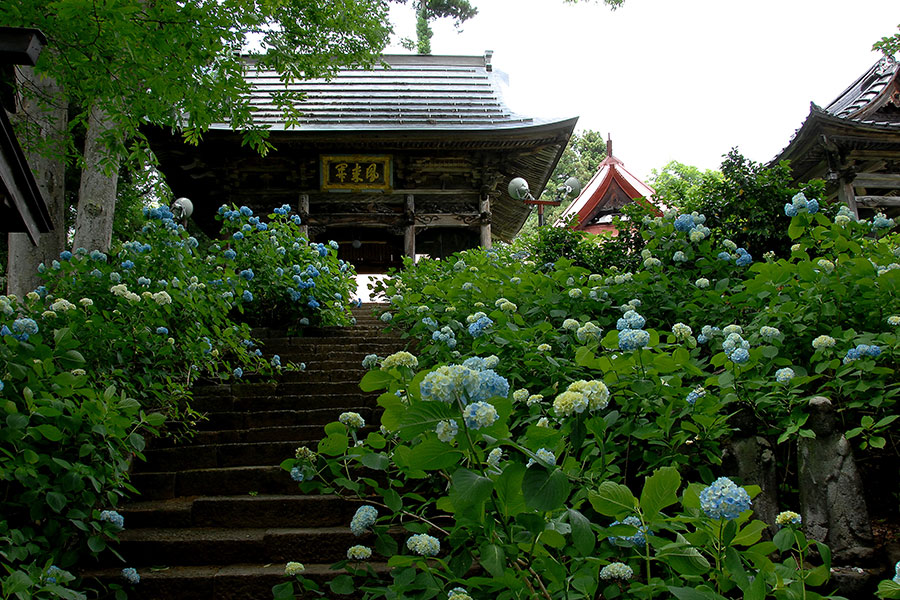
{"x": 847, "y": 196}
{"x": 485, "y": 227}
{"x": 409, "y": 236}
{"x": 304, "y": 215}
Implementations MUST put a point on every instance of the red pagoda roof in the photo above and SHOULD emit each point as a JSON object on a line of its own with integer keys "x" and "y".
{"x": 611, "y": 187}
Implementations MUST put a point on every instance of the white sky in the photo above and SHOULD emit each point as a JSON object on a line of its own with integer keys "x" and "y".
{"x": 678, "y": 80}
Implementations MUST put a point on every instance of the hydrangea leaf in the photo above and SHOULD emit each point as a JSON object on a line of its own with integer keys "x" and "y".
{"x": 493, "y": 559}
{"x": 545, "y": 490}
{"x": 375, "y": 380}
{"x": 583, "y": 537}
{"x": 683, "y": 557}
{"x": 509, "y": 489}
{"x": 660, "y": 490}
{"x": 613, "y": 499}
{"x": 469, "y": 488}
{"x": 432, "y": 455}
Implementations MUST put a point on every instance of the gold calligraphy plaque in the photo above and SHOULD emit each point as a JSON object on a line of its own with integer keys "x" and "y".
{"x": 356, "y": 172}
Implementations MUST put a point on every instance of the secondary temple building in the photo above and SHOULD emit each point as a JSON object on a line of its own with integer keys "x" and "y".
{"x": 411, "y": 157}
{"x": 611, "y": 188}
{"x": 854, "y": 143}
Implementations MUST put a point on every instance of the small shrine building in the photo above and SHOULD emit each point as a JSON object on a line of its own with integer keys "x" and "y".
{"x": 412, "y": 157}
{"x": 854, "y": 143}
{"x": 611, "y": 188}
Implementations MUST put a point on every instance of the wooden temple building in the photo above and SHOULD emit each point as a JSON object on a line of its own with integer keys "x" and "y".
{"x": 854, "y": 143}
{"x": 410, "y": 158}
{"x": 611, "y": 188}
{"x": 22, "y": 206}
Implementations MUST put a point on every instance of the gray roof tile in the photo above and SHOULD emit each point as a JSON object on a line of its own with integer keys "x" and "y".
{"x": 408, "y": 92}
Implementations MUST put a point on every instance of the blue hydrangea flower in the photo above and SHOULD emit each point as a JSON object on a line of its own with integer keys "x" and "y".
{"x": 127, "y": 265}
{"x": 694, "y": 395}
{"x": 237, "y": 235}
{"x": 479, "y": 414}
{"x": 113, "y": 517}
{"x": 238, "y": 372}
{"x": 637, "y": 539}
{"x": 25, "y": 326}
{"x": 784, "y": 375}
{"x": 632, "y": 339}
{"x": 162, "y": 331}
{"x": 546, "y": 457}
{"x": 447, "y": 430}
{"x": 131, "y": 575}
{"x": 724, "y": 500}
{"x": 616, "y": 570}
{"x": 247, "y": 296}
{"x": 247, "y": 274}
{"x": 724, "y": 256}
{"x": 246, "y": 211}
{"x": 477, "y": 329}
{"x": 744, "y": 258}
{"x": 229, "y": 254}
{"x": 297, "y": 474}
{"x": 276, "y": 361}
{"x": 424, "y": 544}
{"x": 65, "y": 255}
{"x": 430, "y": 323}
{"x": 363, "y": 519}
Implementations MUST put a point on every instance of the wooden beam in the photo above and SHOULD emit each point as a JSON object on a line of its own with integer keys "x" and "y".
{"x": 485, "y": 228}
{"x": 847, "y": 196}
{"x": 448, "y": 220}
{"x": 303, "y": 211}
{"x": 878, "y": 200}
{"x": 357, "y": 219}
{"x": 877, "y": 180}
{"x": 409, "y": 235}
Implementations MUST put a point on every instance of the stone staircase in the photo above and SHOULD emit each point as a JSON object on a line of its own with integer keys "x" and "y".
{"x": 217, "y": 517}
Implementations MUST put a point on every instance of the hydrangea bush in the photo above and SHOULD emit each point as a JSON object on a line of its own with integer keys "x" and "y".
{"x": 104, "y": 353}
{"x": 287, "y": 276}
{"x": 638, "y": 378}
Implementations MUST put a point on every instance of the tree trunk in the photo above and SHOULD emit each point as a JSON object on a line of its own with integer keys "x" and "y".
{"x": 43, "y": 114}
{"x": 97, "y": 193}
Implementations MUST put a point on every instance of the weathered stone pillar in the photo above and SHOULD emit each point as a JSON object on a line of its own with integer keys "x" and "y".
{"x": 485, "y": 227}
{"x": 409, "y": 235}
{"x": 755, "y": 464}
{"x": 304, "y": 215}
{"x": 831, "y": 493}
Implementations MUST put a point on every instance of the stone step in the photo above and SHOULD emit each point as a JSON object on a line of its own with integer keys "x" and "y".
{"x": 242, "y": 420}
{"x": 242, "y": 434}
{"x": 242, "y": 581}
{"x": 228, "y": 481}
{"x": 248, "y": 511}
{"x": 283, "y": 402}
{"x": 156, "y": 547}
{"x": 319, "y": 345}
{"x": 211, "y": 456}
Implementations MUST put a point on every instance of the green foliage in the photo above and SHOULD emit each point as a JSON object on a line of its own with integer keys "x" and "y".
{"x": 888, "y": 45}
{"x": 744, "y": 204}
{"x": 533, "y": 495}
{"x": 678, "y": 185}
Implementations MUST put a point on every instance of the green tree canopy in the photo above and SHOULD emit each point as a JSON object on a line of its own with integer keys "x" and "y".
{"x": 679, "y": 185}
{"x": 581, "y": 159}
{"x": 181, "y": 64}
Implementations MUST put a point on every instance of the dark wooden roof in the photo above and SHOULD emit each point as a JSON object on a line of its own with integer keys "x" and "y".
{"x": 442, "y": 119}
{"x": 22, "y": 207}
{"x": 857, "y": 132}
